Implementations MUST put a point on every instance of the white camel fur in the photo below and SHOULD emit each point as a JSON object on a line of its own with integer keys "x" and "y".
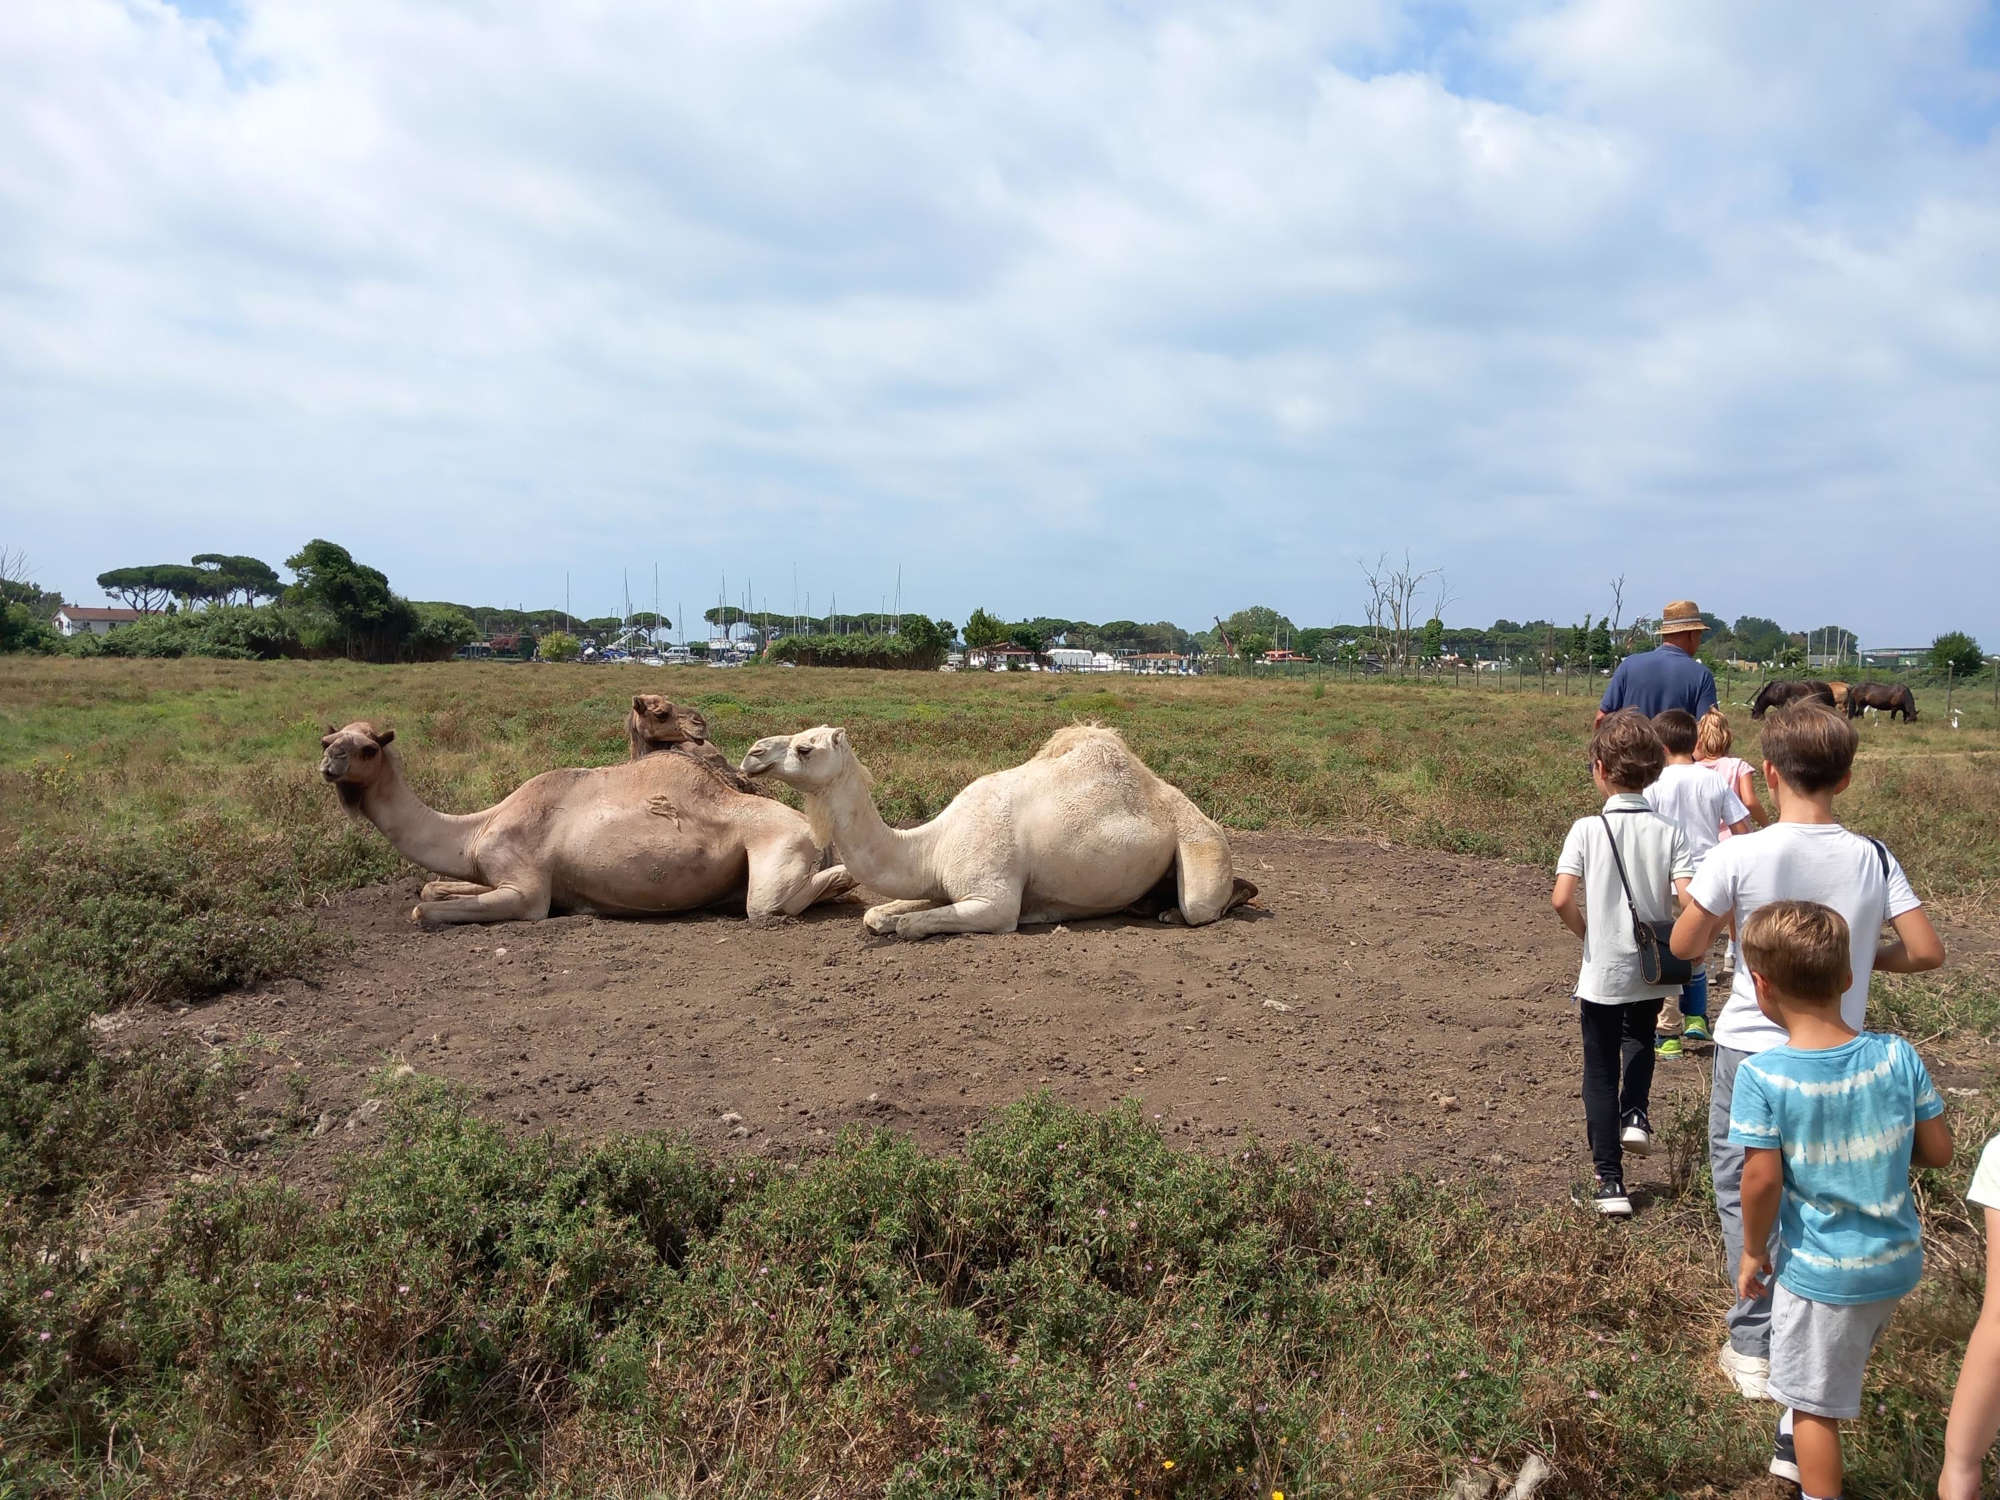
{"x": 1082, "y": 830}
{"x": 662, "y": 834}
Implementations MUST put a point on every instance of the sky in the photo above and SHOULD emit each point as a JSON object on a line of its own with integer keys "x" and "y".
{"x": 1056, "y": 307}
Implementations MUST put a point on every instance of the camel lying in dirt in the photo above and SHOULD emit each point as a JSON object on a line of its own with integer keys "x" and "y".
{"x": 1082, "y": 830}
{"x": 657, "y": 724}
{"x": 660, "y": 834}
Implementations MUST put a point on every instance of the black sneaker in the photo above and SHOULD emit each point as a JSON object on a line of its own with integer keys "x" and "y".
{"x": 1785, "y": 1458}
{"x": 1609, "y": 1199}
{"x": 1637, "y": 1136}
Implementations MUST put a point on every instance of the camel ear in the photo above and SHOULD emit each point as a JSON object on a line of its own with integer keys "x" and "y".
{"x": 331, "y": 731}
{"x": 326, "y": 739}
{"x": 638, "y": 703}
{"x": 840, "y": 736}
{"x": 385, "y": 736}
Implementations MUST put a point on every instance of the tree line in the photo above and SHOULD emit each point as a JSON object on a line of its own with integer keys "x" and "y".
{"x": 210, "y": 606}
{"x": 219, "y": 604}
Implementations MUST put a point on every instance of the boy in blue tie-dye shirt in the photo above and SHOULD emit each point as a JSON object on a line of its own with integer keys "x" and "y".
{"x": 1830, "y": 1123}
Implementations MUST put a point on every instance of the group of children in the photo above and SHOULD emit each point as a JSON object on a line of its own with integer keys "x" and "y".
{"x": 1814, "y": 1122}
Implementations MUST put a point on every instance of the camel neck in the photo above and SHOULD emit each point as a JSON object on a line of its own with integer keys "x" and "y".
{"x": 869, "y": 847}
{"x": 439, "y": 842}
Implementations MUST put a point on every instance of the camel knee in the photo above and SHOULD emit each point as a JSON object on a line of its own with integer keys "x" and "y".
{"x": 978, "y": 914}
{"x": 500, "y": 904}
{"x": 882, "y": 918}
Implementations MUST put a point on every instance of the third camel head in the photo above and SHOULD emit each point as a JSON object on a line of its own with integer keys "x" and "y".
{"x": 354, "y": 758}
{"x": 811, "y": 760}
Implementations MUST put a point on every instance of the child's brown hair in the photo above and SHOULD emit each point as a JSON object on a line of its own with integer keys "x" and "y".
{"x": 1811, "y": 746}
{"x": 1628, "y": 750}
{"x": 1676, "y": 729}
{"x": 1712, "y": 738}
{"x": 1801, "y": 947}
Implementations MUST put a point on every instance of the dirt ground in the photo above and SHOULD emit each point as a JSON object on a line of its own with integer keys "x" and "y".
{"x": 1406, "y": 1008}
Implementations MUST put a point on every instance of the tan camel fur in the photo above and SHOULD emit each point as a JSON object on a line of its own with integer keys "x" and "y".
{"x": 657, "y": 724}
{"x": 661, "y": 834}
{"x": 1082, "y": 830}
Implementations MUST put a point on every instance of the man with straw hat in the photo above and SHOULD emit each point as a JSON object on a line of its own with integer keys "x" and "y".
{"x": 1668, "y": 676}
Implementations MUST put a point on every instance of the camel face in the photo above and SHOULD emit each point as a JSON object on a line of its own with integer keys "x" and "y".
{"x": 808, "y": 760}
{"x": 657, "y": 720}
{"x": 354, "y": 758}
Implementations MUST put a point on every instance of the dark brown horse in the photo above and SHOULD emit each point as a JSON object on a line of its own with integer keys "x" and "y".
{"x": 1891, "y": 698}
{"x": 1777, "y": 694}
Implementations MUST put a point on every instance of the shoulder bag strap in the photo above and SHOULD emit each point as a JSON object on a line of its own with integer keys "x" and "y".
{"x": 1630, "y": 905}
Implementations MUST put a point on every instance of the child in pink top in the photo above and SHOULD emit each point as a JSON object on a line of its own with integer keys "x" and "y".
{"x": 1711, "y": 749}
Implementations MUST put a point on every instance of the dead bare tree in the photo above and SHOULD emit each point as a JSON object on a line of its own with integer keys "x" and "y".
{"x": 1392, "y": 596}
{"x": 14, "y": 565}
{"x": 1404, "y": 584}
{"x": 1442, "y": 598}
{"x": 1376, "y": 579}
{"x": 1617, "y": 602}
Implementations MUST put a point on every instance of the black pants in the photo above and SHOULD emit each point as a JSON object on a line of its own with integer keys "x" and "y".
{"x": 1617, "y": 1073}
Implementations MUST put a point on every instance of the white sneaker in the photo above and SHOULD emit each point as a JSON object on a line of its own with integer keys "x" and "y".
{"x": 1746, "y": 1370}
{"x": 1637, "y": 1136}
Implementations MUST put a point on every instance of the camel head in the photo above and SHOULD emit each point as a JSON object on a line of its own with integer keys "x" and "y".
{"x": 811, "y": 760}
{"x": 658, "y": 721}
{"x": 355, "y": 759}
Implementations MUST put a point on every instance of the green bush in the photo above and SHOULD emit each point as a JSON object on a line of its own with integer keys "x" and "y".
{"x": 238, "y": 632}
{"x": 921, "y": 645}
{"x": 1958, "y": 653}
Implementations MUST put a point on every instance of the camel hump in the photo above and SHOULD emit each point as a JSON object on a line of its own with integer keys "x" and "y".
{"x": 1074, "y": 737}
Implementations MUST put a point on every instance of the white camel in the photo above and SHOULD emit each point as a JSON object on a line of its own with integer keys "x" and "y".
{"x": 1082, "y": 830}
{"x": 662, "y": 834}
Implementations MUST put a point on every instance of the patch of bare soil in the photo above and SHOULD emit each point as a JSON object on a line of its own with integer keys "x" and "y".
{"x": 1406, "y": 1008}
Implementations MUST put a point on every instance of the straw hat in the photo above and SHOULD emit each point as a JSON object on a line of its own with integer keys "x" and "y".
{"x": 1681, "y": 618}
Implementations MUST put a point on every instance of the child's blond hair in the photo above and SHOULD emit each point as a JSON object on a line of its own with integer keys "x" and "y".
{"x": 1800, "y": 947}
{"x": 1712, "y": 738}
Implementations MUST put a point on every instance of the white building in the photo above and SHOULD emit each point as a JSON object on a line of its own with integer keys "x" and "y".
{"x": 80, "y": 619}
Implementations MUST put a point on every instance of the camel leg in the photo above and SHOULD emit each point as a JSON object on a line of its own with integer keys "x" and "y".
{"x": 973, "y": 914}
{"x": 785, "y": 879}
{"x": 823, "y": 886}
{"x": 1206, "y": 879}
{"x": 504, "y": 903}
{"x": 445, "y": 890}
{"x": 882, "y": 918}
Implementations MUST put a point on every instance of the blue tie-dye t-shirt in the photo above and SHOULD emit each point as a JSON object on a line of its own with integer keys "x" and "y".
{"x": 1842, "y": 1119}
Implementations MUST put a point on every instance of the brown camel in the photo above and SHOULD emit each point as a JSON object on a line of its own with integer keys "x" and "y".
{"x": 657, "y": 724}
{"x": 661, "y": 834}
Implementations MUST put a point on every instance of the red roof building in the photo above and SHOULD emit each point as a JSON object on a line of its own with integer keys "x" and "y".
{"x": 84, "y": 619}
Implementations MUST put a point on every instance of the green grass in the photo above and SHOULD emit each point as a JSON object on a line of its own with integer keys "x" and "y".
{"x": 1067, "y": 1307}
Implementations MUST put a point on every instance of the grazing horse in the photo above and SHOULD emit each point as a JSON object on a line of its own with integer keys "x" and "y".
{"x": 1891, "y": 697}
{"x": 1776, "y": 694}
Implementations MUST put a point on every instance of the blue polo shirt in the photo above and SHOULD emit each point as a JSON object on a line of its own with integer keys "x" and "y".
{"x": 1657, "y": 680}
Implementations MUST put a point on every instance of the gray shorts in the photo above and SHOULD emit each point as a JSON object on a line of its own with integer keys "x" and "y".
{"x": 1819, "y": 1351}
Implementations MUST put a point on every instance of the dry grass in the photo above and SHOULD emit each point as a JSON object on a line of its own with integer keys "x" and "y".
{"x": 479, "y": 1317}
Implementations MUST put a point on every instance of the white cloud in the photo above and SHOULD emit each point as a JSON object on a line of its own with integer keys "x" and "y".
{"x": 1086, "y": 309}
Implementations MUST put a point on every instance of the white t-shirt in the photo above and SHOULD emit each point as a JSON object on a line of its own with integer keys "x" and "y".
{"x": 1985, "y": 1189}
{"x": 1698, "y": 802}
{"x": 1655, "y": 856}
{"x": 1820, "y": 862}
{"x": 1732, "y": 769}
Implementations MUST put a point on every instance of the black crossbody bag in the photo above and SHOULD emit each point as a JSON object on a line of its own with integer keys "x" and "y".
{"x": 1656, "y": 955}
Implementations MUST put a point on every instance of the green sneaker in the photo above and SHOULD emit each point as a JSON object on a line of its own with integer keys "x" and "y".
{"x": 1696, "y": 1030}
{"x": 1666, "y": 1046}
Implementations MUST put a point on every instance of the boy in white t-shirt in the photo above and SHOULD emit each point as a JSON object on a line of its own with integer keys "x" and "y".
{"x": 1975, "y": 1404}
{"x": 1805, "y": 856}
{"x": 1700, "y": 804}
{"x": 1616, "y": 1005}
